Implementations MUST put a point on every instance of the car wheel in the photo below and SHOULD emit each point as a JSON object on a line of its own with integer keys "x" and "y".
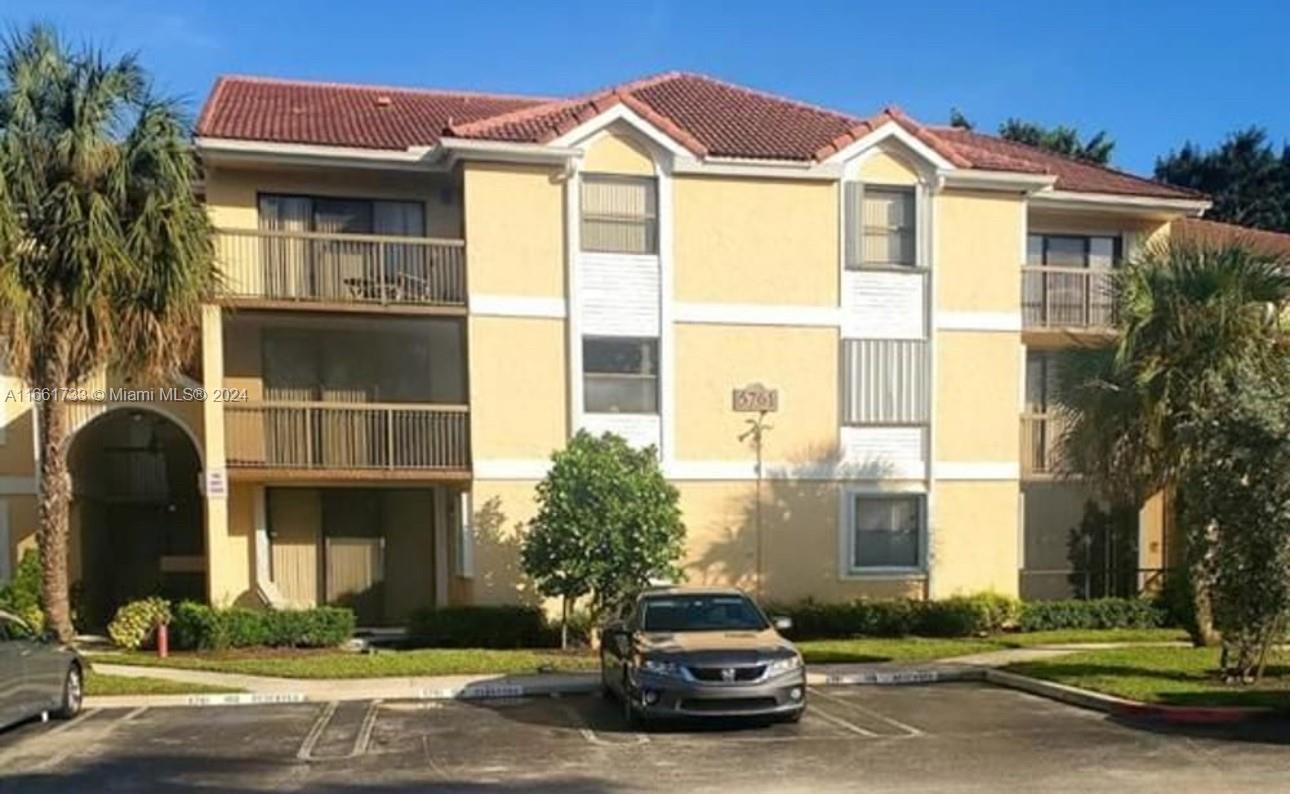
{"x": 73, "y": 694}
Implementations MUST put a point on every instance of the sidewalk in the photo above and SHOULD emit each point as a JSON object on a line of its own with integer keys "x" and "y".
{"x": 261, "y": 689}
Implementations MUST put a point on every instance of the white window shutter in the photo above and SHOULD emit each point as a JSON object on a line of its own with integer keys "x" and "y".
{"x": 853, "y": 222}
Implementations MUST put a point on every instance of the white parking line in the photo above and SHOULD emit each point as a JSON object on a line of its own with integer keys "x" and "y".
{"x": 838, "y": 721}
{"x": 909, "y": 730}
{"x": 306, "y": 750}
{"x": 82, "y": 746}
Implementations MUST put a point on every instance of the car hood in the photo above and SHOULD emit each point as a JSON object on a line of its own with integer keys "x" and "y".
{"x": 752, "y": 643}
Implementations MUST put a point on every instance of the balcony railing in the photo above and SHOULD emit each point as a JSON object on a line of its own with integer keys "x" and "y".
{"x": 346, "y": 436}
{"x": 1040, "y": 439}
{"x": 1067, "y": 297}
{"x": 341, "y": 268}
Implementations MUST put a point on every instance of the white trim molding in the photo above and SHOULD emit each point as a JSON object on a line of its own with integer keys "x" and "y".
{"x": 758, "y": 314}
{"x": 978, "y": 470}
{"x": 891, "y": 130}
{"x": 980, "y": 179}
{"x": 978, "y": 321}
{"x": 15, "y": 486}
{"x": 620, "y": 113}
{"x": 511, "y": 468}
{"x": 518, "y": 306}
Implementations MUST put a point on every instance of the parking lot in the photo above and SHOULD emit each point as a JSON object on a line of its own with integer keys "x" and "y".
{"x": 947, "y": 737}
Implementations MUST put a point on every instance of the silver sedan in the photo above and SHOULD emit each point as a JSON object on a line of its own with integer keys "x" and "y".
{"x": 38, "y": 674}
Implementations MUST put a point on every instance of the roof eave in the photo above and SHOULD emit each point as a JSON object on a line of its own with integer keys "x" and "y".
{"x": 242, "y": 152}
{"x": 1155, "y": 206}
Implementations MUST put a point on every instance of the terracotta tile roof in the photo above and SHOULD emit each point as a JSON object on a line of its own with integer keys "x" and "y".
{"x": 988, "y": 152}
{"x": 708, "y": 117}
{"x": 1273, "y": 243}
{"x": 334, "y": 114}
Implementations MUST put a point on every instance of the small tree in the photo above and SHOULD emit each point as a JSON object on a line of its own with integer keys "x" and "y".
{"x": 607, "y": 523}
{"x": 1239, "y": 506}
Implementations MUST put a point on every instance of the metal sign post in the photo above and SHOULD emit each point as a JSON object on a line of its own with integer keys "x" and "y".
{"x": 756, "y": 398}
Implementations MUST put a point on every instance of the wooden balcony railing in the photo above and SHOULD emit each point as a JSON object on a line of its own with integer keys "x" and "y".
{"x": 1040, "y": 439}
{"x": 344, "y": 436}
{"x": 1067, "y": 297}
{"x": 341, "y": 268}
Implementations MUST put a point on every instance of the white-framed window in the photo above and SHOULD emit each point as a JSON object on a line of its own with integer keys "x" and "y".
{"x": 881, "y": 226}
{"x": 619, "y": 214}
{"x": 886, "y": 532}
{"x": 620, "y": 375}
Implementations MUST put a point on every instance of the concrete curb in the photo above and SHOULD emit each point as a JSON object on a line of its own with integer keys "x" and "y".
{"x": 896, "y": 677}
{"x": 1122, "y": 707}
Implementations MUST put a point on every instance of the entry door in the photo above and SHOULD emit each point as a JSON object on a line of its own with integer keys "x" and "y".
{"x": 354, "y": 570}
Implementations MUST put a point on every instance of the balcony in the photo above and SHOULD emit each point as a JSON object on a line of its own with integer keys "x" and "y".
{"x": 330, "y": 440}
{"x": 1040, "y": 439}
{"x": 356, "y": 271}
{"x": 1067, "y": 299}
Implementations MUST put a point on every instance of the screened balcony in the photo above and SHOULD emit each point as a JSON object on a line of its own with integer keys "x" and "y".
{"x": 1067, "y": 298}
{"x": 346, "y": 396}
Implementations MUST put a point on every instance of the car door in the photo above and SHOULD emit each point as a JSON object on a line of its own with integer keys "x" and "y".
{"x": 44, "y": 667}
{"x": 11, "y": 677}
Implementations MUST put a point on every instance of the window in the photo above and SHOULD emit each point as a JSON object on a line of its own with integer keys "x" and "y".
{"x": 1076, "y": 251}
{"x": 881, "y": 226}
{"x": 885, "y": 381}
{"x": 619, "y": 214}
{"x": 620, "y": 375}
{"x": 342, "y": 216}
{"x": 886, "y": 531}
{"x": 701, "y": 613}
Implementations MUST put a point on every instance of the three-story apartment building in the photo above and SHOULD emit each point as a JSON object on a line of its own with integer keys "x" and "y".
{"x": 428, "y": 292}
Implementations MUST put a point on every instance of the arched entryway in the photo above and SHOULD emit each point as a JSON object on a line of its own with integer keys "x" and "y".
{"x": 137, "y": 514}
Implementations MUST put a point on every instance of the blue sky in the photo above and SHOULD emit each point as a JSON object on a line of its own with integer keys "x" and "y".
{"x": 1152, "y": 73}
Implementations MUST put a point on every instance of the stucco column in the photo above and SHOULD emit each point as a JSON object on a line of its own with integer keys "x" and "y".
{"x": 215, "y": 488}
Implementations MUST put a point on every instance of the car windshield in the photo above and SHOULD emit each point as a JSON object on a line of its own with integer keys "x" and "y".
{"x": 701, "y": 613}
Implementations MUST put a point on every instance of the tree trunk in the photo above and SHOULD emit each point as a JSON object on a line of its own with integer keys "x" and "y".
{"x": 1205, "y": 635}
{"x": 564, "y": 623}
{"x": 53, "y": 508}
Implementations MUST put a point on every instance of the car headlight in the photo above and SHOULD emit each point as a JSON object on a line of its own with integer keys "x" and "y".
{"x": 660, "y": 667}
{"x": 786, "y": 665}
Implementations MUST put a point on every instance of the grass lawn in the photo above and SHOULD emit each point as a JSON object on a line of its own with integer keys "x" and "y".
{"x": 384, "y": 664}
{"x": 1076, "y": 636}
{"x": 894, "y": 649}
{"x": 1174, "y": 676}
{"x": 101, "y": 684}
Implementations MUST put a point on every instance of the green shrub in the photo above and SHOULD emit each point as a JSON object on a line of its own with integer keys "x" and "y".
{"x": 21, "y": 595}
{"x": 200, "y": 627}
{"x": 481, "y": 627}
{"x": 958, "y": 616}
{"x": 135, "y": 623}
{"x": 1098, "y": 613}
{"x": 1177, "y": 600}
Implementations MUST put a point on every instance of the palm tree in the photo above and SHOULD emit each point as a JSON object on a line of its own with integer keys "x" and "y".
{"x": 1189, "y": 314}
{"x": 105, "y": 251}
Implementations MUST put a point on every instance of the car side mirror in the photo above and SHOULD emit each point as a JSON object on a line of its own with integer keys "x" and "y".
{"x": 782, "y": 623}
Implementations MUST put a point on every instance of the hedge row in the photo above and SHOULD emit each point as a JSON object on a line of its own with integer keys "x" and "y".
{"x": 196, "y": 626}
{"x": 482, "y": 627}
{"x": 964, "y": 616}
{"x": 959, "y": 616}
{"x": 1098, "y": 613}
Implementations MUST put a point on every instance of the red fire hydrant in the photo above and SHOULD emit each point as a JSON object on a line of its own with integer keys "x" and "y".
{"x": 163, "y": 640}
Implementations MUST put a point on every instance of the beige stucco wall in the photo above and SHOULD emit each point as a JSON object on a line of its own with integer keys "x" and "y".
{"x": 975, "y": 538}
{"x": 799, "y": 536}
{"x": 978, "y": 401}
{"x": 712, "y": 360}
{"x": 230, "y": 555}
{"x": 890, "y": 165}
{"x": 979, "y": 251}
{"x": 518, "y": 387}
{"x": 502, "y": 510}
{"x": 514, "y": 230}
{"x": 618, "y": 152}
{"x": 232, "y": 193}
{"x": 755, "y": 241}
